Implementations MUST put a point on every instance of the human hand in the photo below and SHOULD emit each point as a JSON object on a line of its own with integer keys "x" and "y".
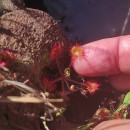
{"x": 109, "y": 57}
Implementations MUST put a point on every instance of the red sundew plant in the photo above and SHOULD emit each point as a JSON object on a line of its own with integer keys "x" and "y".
{"x": 56, "y": 51}
{"x": 77, "y": 52}
{"x": 65, "y": 75}
{"x": 50, "y": 87}
{"x": 6, "y": 56}
{"x": 65, "y": 78}
{"x": 92, "y": 86}
{"x": 3, "y": 63}
{"x": 9, "y": 54}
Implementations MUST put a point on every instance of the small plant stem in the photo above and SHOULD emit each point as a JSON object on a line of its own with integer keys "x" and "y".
{"x": 69, "y": 66}
{"x": 62, "y": 82}
{"x": 59, "y": 67}
{"x": 63, "y": 89}
{"x": 56, "y": 80}
{"x": 67, "y": 84}
{"x": 119, "y": 109}
{"x": 73, "y": 81}
{"x": 67, "y": 79}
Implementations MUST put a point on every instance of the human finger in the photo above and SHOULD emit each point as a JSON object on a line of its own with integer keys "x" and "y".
{"x": 104, "y": 57}
{"x": 120, "y": 124}
{"x": 120, "y": 81}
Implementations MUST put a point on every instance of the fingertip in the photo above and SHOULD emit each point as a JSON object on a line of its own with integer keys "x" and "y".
{"x": 104, "y": 57}
{"x": 96, "y": 61}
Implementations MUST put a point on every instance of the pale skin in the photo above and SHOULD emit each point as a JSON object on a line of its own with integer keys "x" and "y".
{"x": 108, "y": 57}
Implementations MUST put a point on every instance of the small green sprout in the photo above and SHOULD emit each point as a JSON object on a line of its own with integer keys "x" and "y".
{"x": 124, "y": 105}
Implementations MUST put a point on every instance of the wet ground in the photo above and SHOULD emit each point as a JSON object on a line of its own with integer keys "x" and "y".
{"x": 85, "y": 21}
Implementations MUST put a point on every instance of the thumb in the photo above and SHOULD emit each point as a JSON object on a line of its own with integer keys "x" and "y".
{"x": 104, "y": 57}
